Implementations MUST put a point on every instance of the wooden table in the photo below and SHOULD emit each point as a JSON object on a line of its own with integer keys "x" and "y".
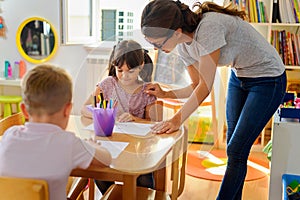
{"x": 142, "y": 155}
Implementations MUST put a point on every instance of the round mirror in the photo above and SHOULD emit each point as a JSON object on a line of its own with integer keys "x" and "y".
{"x": 37, "y": 40}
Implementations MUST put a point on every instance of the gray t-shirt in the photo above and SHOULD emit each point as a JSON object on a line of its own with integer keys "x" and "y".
{"x": 241, "y": 46}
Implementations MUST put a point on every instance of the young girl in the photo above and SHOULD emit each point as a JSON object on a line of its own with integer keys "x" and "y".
{"x": 129, "y": 68}
{"x": 128, "y": 62}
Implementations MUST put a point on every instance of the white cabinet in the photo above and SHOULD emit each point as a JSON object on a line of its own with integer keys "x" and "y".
{"x": 285, "y": 155}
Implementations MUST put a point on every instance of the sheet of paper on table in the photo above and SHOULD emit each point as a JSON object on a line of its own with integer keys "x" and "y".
{"x": 115, "y": 148}
{"x": 130, "y": 128}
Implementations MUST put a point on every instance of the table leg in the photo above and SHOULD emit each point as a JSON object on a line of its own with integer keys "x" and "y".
{"x": 129, "y": 188}
{"x": 160, "y": 177}
{"x": 91, "y": 189}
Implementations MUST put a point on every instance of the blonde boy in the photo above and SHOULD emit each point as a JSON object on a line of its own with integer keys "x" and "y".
{"x": 42, "y": 148}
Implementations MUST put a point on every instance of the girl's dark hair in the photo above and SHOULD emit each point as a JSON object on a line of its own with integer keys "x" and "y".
{"x": 160, "y": 17}
{"x": 131, "y": 53}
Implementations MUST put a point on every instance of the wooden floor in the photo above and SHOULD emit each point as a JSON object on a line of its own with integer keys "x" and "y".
{"x": 200, "y": 189}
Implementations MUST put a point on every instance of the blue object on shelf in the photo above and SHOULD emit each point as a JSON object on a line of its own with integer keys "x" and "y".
{"x": 289, "y": 113}
{"x": 291, "y": 186}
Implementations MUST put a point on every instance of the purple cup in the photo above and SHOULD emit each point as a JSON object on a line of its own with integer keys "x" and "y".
{"x": 104, "y": 121}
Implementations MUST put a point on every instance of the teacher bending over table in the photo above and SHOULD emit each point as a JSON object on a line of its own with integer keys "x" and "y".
{"x": 217, "y": 36}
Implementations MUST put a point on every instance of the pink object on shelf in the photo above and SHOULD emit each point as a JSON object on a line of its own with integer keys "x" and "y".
{"x": 297, "y": 102}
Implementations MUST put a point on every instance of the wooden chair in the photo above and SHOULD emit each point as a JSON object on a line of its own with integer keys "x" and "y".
{"x": 79, "y": 185}
{"x": 23, "y": 189}
{"x": 179, "y": 155}
{"x": 15, "y": 119}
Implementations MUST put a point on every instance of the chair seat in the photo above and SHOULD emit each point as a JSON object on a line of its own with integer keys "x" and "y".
{"x": 23, "y": 188}
{"x": 7, "y": 101}
{"x": 115, "y": 193}
{"x": 10, "y": 99}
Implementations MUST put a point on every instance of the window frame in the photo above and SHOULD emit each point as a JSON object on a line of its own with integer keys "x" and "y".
{"x": 94, "y": 25}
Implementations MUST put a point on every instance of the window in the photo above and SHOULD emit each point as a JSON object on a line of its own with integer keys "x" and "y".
{"x": 78, "y": 21}
{"x": 108, "y": 28}
{"x": 86, "y": 21}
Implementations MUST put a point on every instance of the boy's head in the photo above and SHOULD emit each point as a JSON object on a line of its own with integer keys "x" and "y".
{"x": 46, "y": 89}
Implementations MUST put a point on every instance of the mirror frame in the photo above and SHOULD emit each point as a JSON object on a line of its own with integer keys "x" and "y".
{"x": 19, "y": 45}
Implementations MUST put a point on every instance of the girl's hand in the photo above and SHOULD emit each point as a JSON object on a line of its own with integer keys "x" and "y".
{"x": 125, "y": 117}
{"x": 155, "y": 89}
{"x": 97, "y": 90}
{"x": 168, "y": 126}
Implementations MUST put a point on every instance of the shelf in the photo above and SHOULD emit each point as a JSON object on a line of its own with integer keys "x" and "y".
{"x": 8, "y": 82}
{"x": 285, "y": 24}
{"x": 292, "y": 67}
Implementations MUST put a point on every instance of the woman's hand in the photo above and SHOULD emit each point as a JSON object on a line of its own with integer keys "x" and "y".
{"x": 155, "y": 89}
{"x": 125, "y": 117}
{"x": 168, "y": 126}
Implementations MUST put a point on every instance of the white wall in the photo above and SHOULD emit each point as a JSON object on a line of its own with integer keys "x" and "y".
{"x": 15, "y": 12}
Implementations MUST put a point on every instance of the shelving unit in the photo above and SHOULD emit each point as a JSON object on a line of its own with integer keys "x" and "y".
{"x": 293, "y": 72}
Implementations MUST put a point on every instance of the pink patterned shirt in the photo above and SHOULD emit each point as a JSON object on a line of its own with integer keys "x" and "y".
{"x": 135, "y": 103}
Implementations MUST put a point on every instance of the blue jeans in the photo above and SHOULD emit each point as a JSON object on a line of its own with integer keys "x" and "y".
{"x": 251, "y": 102}
{"x": 145, "y": 180}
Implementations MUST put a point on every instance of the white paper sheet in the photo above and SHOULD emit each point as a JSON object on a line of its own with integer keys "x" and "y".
{"x": 115, "y": 148}
{"x": 130, "y": 128}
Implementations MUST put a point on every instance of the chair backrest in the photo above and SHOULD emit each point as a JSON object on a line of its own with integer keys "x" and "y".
{"x": 156, "y": 112}
{"x": 23, "y": 189}
{"x": 15, "y": 119}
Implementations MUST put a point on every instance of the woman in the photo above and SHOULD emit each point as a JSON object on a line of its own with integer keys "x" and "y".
{"x": 217, "y": 36}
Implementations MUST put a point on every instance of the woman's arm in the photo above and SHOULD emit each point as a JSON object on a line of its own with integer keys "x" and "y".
{"x": 186, "y": 91}
{"x": 206, "y": 72}
{"x": 156, "y": 90}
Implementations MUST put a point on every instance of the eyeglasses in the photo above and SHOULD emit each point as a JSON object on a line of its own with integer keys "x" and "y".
{"x": 159, "y": 46}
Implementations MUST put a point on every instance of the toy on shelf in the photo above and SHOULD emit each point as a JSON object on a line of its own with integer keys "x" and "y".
{"x": 2, "y": 28}
{"x": 297, "y": 102}
{"x": 291, "y": 186}
{"x": 290, "y": 108}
